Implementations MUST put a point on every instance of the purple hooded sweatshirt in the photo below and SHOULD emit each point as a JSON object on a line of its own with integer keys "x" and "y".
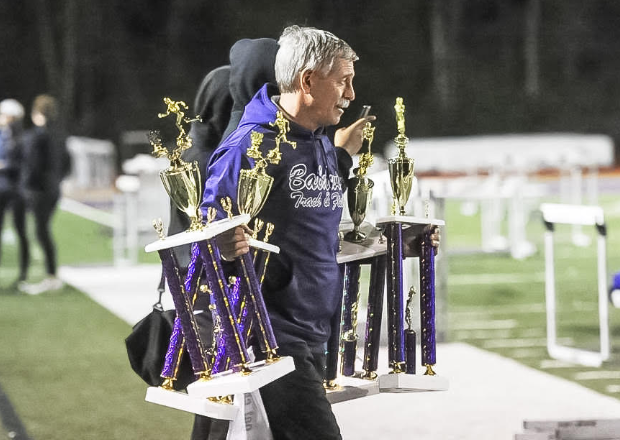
{"x": 303, "y": 284}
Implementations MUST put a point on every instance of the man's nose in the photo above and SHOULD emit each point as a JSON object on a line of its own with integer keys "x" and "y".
{"x": 349, "y": 93}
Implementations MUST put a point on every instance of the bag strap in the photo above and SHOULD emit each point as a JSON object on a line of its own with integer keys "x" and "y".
{"x": 160, "y": 289}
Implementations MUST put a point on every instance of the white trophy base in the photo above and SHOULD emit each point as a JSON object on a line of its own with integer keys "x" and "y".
{"x": 411, "y": 383}
{"x": 226, "y": 383}
{"x": 185, "y": 402}
{"x": 374, "y": 244}
{"x": 209, "y": 231}
{"x": 410, "y": 220}
{"x": 350, "y": 388}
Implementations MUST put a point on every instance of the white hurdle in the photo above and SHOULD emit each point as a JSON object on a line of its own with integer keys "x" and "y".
{"x": 583, "y": 216}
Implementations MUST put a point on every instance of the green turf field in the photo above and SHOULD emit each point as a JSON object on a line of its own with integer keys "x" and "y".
{"x": 64, "y": 364}
{"x": 65, "y": 369}
{"x": 498, "y": 303}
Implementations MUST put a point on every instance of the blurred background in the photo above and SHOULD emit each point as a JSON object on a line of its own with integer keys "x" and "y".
{"x": 481, "y": 66}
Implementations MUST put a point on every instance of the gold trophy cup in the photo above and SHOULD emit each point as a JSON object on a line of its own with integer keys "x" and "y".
{"x": 359, "y": 197}
{"x": 360, "y": 188}
{"x": 401, "y": 167}
{"x": 254, "y": 184}
{"x": 181, "y": 180}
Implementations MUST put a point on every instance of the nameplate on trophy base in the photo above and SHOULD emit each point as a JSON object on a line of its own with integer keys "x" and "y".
{"x": 185, "y": 402}
{"x": 228, "y": 382}
{"x": 187, "y": 237}
{"x": 411, "y": 383}
{"x": 350, "y": 388}
{"x": 410, "y": 220}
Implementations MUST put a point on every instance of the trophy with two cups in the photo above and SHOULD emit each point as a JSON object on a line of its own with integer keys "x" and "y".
{"x": 226, "y": 368}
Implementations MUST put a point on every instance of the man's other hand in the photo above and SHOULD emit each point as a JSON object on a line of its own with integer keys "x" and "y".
{"x": 350, "y": 138}
{"x": 234, "y": 242}
{"x": 412, "y": 240}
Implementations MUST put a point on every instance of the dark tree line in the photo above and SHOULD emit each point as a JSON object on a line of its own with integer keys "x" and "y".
{"x": 462, "y": 67}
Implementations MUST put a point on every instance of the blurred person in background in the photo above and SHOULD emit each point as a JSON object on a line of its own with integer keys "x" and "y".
{"x": 45, "y": 164}
{"x": 11, "y": 151}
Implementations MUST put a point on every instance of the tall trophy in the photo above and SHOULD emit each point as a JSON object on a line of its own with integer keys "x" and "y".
{"x": 360, "y": 187}
{"x": 252, "y": 192}
{"x": 245, "y": 308}
{"x": 182, "y": 182}
{"x": 401, "y": 166}
{"x": 398, "y": 229}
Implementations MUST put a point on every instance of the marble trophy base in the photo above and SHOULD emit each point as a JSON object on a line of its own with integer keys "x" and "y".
{"x": 374, "y": 244}
{"x": 410, "y": 220}
{"x": 187, "y": 237}
{"x": 185, "y": 402}
{"x": 227, "y": 382}
{"x": 350, "y": 388}
{"x": 411, "y": 383}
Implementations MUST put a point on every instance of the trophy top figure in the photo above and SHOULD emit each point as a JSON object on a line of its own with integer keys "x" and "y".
{"x": 366, "y": 159}
{"x": 260, "y": 162}
{"x": 401, "y": 140}
{"x": 183, "y": 141}
{"x": 282, "y": 123}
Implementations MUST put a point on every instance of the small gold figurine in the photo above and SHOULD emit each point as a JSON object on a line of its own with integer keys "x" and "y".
{"x": 268, "y": 232}
{"x": 408, "y": 310}
{"x": 366, "y": 159}
{"x": 177, "y": 108}
{"x": 282, "y": 123}
{"x": 226, "y": 203}
{"x": 258, "y": 226}
{"x": 211, "y": 214}
{"x": 158, "y": 225}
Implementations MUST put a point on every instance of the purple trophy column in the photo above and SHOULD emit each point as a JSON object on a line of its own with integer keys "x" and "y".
{"x": 235, "y": 347}
{"x": 373, "y": 318}
{"x": 185, "y": 313}
{"x": 410, "y": 345}
{"x": 396, "y": 349}
{"x": 246, "y": 267}
{"x": 427, "y": 301}
{"x": 175, "y": 348}
{"x": 349, "y": 318}
{"x": 331, "y": 355}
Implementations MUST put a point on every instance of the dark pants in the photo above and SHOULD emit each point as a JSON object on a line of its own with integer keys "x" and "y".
{"x": 43, "y": 206}
{"x": 296, "y": 404}
{"x": 10, "y": 199}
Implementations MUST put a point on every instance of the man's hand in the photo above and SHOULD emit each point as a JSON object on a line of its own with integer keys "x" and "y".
{"x": 350, "y": 138}
{"x": 412, "y": 240}
{"x": 234, "y": 242}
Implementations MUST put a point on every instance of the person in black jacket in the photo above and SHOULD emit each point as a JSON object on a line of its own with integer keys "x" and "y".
{"x": 251, "y": 66}
{"x": 11, "y": 151}
{"x": 45, "y": 165}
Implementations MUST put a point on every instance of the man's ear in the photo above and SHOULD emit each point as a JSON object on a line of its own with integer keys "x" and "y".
{"x": 305, "y": 80}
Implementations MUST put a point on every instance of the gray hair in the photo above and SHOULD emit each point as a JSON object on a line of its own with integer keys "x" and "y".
{"x": 306, "y": 48}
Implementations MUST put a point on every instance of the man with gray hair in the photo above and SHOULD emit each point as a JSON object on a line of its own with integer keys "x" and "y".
{"x": 303, "y": 285}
